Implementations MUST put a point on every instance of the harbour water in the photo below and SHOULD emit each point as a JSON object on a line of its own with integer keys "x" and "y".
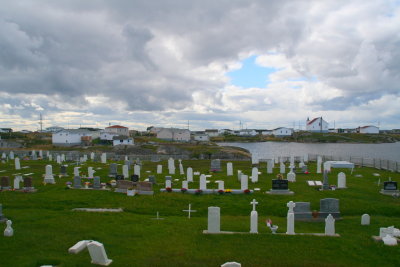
{"x": 263, "y": 150}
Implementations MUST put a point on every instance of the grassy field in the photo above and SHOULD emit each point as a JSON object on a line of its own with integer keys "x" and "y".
{"x": 45, "y": 225}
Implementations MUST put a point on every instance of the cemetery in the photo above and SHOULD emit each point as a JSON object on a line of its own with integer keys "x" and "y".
{"x": 180, "y": 212}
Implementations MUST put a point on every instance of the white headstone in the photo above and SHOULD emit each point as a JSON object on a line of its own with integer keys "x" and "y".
{"x": 90, "y": 172}
{"x": 291, "y": 160}
{"x": 244, "y": 182}
{"x": 229, "y": 169}
{"x": 231, "y": 264}
{"x": 168, "y": 183}
{"x": 185, "y": 184}
{"x": 282, "y": 168}
{"x": 76, "y": 171}
{"x": 239, "y": 175}
{"x": 17, "y": 180}
{"x": 125, "y": 171}
{"x": 341, "y": 180}
{"x": 270, "y": 165}
{"x": 58, "y": 159}
{"x": 189, "y": 174}
{"x": 85, "y": 158}
{"x": 214, "y": 220}
{"x": 92, "y": 156}
{"x": 78, "y": 247}
{"x": 291, "y": 176}
{"x": 9, "y": 230}
{"x": 171, "y": 166}
{"x": 305, "y": 158}
{"x": 290, "y": 218}
{"x": 365, "y": 219}
{"x": 389, "y": 240}
{"x": 329, "y": 225}
{"x": 41, "y": 153}
{"x": 159, "y": 169}
{"x": 48, "y": 177}
{"x": 98, "y": 253}
{"x": 327, "y": 166}
{"x": 276, "y": 160}
{"x": 254, "y": 175}
{"x": 319, "y": 162}
{"x": 62, "y": 157}
{"x": 11, "y": 155}
{"x": 254, "y": 218}
{"x": 136, "y": 170}
{"x": 50, "y": 157}
{"x": 181, "y": 172}
{"x": 104, "y": 158}
{"x": 171, "y": 170}
{"x": 17, "y": 164}
{"x": 203, "y": 182}
{"x": 221, "y": 185}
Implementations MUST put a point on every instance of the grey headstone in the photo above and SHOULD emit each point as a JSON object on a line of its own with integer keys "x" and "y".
{"x": 215, "y": 165}
{"x": 302, "y": 211}
{"x": 325, "y": 185}
{"x": 390, "y": 185}
{"x": 113, "y": 170}
{"x": 329, "y": 206}
{"x": 123, "y": 185}
{"x": 96, "y": 182}
{"x": 119, "y": 177}
{"x": 63, "y": 170}
{"x": 77, "y": 182}
{"x": 152, "y": 179}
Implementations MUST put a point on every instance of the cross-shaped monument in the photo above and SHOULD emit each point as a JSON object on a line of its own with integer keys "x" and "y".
{"x": 189, "y": 210}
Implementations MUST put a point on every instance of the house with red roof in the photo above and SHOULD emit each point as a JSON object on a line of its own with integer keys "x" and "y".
{"x": 369, "y": 129}
{"x": 117, "y": 130}
{"x": 317, "y": 125}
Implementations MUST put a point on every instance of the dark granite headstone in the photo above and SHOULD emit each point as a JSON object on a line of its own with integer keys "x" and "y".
{"x": 280, "y": 184}
{"x": 119, "y": 177}
{"x": 390, "y": 185}
{"x": 329, "y": 206}
{"x": 5, "y": 183}
{"x": 63, "y": 170}
{"x": 325, "y": 185}
{"x": 96, "y": 182}
{"x": 152, "y": 179}
{"x": 135, "y": 178}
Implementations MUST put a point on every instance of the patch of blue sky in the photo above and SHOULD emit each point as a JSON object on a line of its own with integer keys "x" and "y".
{"x": 251, "y": 74}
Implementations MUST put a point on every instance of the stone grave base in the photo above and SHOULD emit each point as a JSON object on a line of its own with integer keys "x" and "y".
{"x": 379, "y": 239}
{"x": 225, "y": 233}
{"x": 280, "y": 192}
{"x": 49, "y": 181}
{"x": 98, "y": 210}
{"x": 389, "y": 192}
{"x": 313, "y": 234}
{"x": 28, "y": 190}
{"x": 3, "y": 219}
{"x": 207, "y": 191}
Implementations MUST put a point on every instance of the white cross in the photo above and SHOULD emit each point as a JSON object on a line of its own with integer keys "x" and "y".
{"x": 254, "y": 203}
{"x": 158, "y": 217}
{"x": 189, "y": 210}
{"x": 291, "y": 205}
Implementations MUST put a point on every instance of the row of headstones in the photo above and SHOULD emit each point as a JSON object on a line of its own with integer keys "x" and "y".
{"x": 5, "y": 183}
{"x": 113, "y": 171}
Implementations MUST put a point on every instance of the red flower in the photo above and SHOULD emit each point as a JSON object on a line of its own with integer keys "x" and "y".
{"x": 198, "y": 191}
{"x": 246, "y": 191}
{"x": 183, "y": 190}
{"x": 220, "y": 192}
{"x": 168, "y": 189}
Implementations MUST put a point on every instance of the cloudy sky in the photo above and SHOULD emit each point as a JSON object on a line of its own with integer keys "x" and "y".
{"x": 213, "y": 63}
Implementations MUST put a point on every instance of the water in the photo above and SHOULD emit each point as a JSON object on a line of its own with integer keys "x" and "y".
{"x": 263, "y": 150}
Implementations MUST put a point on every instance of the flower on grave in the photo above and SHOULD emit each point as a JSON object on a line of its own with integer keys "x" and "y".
{"x": 306, "y": 172}
{"x": 220, "y": 191}
{"x": 168, "y": 189}
{"x": 198, "y": 191}
{"x": 183, "y": 190}
{"x": 246, "y": 191}
{"x": 103, "y": 184}
{"x": 268, "y": 222}
{"x": 228, "y": 191}
{"x": 68, "y": 183}
{"x": 279, "y": 176}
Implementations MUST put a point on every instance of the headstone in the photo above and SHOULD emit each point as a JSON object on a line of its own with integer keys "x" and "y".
{"x": 365, "y": 219}
{"x": 254, "y": 218}
{"x": 77, "y": 182}
{"x": 85, "y": 158}
{"x": 276, "y": 160}
{"x": 78, "y": 247}
{"x": 215, "y": 165}
{"x": 181, "y": 172}
{"x": 123, "y": 185}
{"x": 92, "y": 156}
{"x": 171, "y": 166}
{"x": 168, "y": 178}
{"x": 34, "y": 156}
{"x": 17, "y": 180}
{"x": 98, "y": 253}
{"x": 231, "y": 264}
{"x": 41, "y": 153}
{"x": 329, "y": 225}
{"x": 136, "y": 170}
{"x": 159, "y": 169}
{"x": 389, "y": 240}
{"x": 28, "y": 184}
{"x": 282, "y": 168}
{"x": 389, "y": 187}
{"x": 229, "y": 169}
{"x": 119, "y": 177}
{"x": 203, "y": 182}
{"x": 17, "y": 164}
{"x": 239, "y": 175}
{"x": 2, "y": 217}
{"x": 168, "y": 184}
{"x": 280, "y": 184}
{"x": 172, "y": 169}
{"x": 270, "y": 165}
{"x": 50, "y": 157}
{"x": 144, "y": 186}
{"x": 76, "y": 171}
{"x": 214, "y": 221}
{"x": 290, "y": 218}
{"x": 5, "y": 183}
{"x": 113, "y": 170}
{"x": 49, "y": 178}
{"x": 63, "y": 170}
{"x": 327, "y": 166}
{"x": 319, "y": 162}
{"x": 125, "y": 170}
{"x": 134, "y": 178}
{"x": 185, "y": 184}
{"x": 58, "y": 159}
{"x": 325, "y": 185}
{"x": 221, "y": 185}
{"x": 291, "y": 176}
{"x": 292, "y": 161}
{"x": 341, "y": 180}
{"x": 9, "y": 231}
{"x": 127, "y": 163}
{"x": 189, "y": 174}
{"x": 96, "y": 182}
{"x": 104, "y": 158}
{"x": 305, "y": 158}
{"x": 254, "y": 175}
{"x": 90, "y": 172}
{"x": 62, "y": 157}
{"x": 152, "y": 179}
{"x": 244, "y": 183}
{"x": 302, "y": 211}
{"x": 329, "y": 206}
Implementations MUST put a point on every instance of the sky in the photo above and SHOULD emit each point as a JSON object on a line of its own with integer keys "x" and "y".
{"x": 207, "y": 64}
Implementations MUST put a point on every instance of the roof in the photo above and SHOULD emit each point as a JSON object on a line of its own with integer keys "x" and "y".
{"x": 312, "y": 121}
{"x": 116, "y": 126}
{"x": 363, "y": 127}
{"x": 211, "y": 130}
{"x": 76, "y": 131}
{"x": 281, "y": 128}
{"x": 120, "y": 137}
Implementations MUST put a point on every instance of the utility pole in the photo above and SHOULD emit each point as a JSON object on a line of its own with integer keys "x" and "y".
{"x": 41, "y": 122}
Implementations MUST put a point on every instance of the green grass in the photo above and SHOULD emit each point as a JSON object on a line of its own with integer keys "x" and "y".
{"x": 45, "y": 227}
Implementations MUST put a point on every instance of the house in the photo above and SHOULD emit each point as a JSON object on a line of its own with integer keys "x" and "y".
{"x": 370, "y": 129}
{"x": 72, "y": 137}
{"x": 54, "y": 129}
{"x": 266, "y": 132}
{"x": 122, "y": 140}
{"x": 174, "y": 134}
{"x": 247, "y": 132}
{"x": 211, "y": 132}
{"x": 317, "y": 125}
{"x": 106, "y": 136}
{"x": 117, "y": 129}
{"x": 347, "y": 130}
{"x": 200, "y": 136}
{"x": 225, "y": 132}
{"x": 6, "y": 130}
{"x": 282, "y": 131}
{"x": 154, "y": 130}
{"x": 333, "y": 130}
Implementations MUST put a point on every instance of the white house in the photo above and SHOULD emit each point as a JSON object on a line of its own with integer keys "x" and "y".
{"x": 212, "y": 132}
{"x": 174, "y": 134}
{"x": 107, "y": 136}
{"x": 282, "y": 131}
{"x": 118, "y": 130}
{"x": 122, "y": 140}
{"x": 267, "y": 132}
{"x": 71, "y": 137}
{"x": 247, "y": 132}
{"x": 370, "y": 129}
{"x": 317, "y": 125}
{"x": 225, "y": 131}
